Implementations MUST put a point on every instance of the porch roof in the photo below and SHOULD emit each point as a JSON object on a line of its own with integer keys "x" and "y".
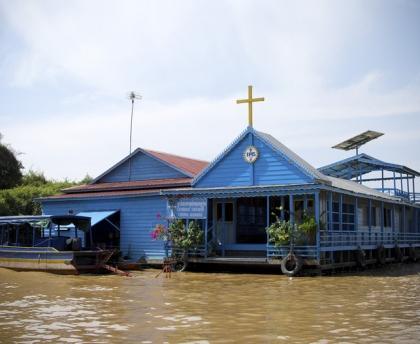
{"x": 335, "y": 184}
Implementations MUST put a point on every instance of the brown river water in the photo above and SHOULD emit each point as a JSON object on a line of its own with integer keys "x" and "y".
{"x": 194, "y": 307}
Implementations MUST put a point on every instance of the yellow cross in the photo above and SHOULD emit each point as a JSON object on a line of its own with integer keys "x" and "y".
{"x": 249, "y": 100}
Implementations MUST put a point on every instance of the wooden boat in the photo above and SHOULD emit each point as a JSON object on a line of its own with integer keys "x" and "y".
{"x": 37, "y": 243}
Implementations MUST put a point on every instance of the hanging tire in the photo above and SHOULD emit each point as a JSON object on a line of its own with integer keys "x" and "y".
{"x": 361, "y": 258}
{"x": 398, "y": 256}
{"x": 291, "y": 265}
{"x": 380, "y": 254}
{"x": 180, "y": 265}
{"x": 412, "y": 254}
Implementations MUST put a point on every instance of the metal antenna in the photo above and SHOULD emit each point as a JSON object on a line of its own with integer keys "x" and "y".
{"x": 133, "y": 96}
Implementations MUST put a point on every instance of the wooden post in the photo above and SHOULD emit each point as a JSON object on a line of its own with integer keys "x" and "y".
{"x": 17, "y": 235}
{"x": 282, "y": 208}
{"x": 340, "y": 212}
{"x": 318, "y": 234}
{"x": 223, "y": 229}
{"x": 205, "y": 235}
{"x": 403, "y": 226}
{"x": 330, "y": 215}
{"x": 268, "y": 216}
{"x": 49, "y": 234}
{"x": 91, "y": 236}
{"x": 370, "y": 219}
{"x": 382, "y": 221}
{"x": 291, "y": 209}
{"x": 393, "y": 221}
{"x": 356, "y": 213}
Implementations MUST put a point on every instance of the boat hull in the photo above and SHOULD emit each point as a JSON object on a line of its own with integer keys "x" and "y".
{"x": 50, "y": 260}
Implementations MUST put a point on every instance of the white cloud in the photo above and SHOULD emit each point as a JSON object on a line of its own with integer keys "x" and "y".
{"x": 191, "y": 60}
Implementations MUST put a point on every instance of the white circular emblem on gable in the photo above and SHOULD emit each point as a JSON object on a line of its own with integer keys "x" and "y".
{"x": 250, "y": 154}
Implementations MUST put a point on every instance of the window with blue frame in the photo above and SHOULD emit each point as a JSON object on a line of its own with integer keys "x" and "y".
{"x": 347, "y": 218}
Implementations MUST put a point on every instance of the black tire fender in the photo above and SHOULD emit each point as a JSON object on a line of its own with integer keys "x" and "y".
{"x": 361, "y": 257}
{"x": 380, "y": 254}
{"x": 398, "y": 254}
{"x": 412, "y": 253}
{"x": 180, "y": 265}
{"x": 291, "y": 265}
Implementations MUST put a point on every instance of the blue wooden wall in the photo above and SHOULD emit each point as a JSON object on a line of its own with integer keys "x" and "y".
{"x": 138, "y": 217}
{"x": 270, "y": 168}
{"x": 143, "y": 167}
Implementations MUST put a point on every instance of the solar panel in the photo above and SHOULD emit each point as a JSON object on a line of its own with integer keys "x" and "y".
{"x": 358, "y": 140}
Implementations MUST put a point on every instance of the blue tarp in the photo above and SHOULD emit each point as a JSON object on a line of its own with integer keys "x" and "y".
{"x": 97, "y": 216}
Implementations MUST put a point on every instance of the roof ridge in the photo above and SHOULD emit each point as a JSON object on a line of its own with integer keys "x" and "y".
{"x": 175, "y": 155}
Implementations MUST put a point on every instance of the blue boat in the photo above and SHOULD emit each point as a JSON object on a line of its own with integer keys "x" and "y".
{"x": 59, "y": 244}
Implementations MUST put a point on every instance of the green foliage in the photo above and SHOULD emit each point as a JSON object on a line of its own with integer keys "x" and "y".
{"x": 183, "y": 238}
{"x": 10, "y": 168}
{"x": 17, "y": 192}
{"x": 87, "y": 179}
{"x": 20, "y": 200}
{"x": 34, "y": 178}
{"x": 307, "y": 229}
{"x": 279, "y": 232}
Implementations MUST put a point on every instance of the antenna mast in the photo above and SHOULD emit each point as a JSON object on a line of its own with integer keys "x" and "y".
{"x": 133, "y": 96}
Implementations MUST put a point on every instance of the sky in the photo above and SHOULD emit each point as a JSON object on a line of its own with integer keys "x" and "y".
{"x": 327, "y": 69}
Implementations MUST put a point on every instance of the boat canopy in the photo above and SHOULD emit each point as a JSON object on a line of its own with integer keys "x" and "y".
{"x": 81, "y": 222}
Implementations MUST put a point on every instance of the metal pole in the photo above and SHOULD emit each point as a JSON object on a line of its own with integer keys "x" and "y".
{"x": 395, "y": 184}
{"x": 383, "y": 185}
{"x": 401, "y": 182}
{"x": 414, "y": 191}
{"x": 131, "y": 134}
{"x": 408, "y": 187}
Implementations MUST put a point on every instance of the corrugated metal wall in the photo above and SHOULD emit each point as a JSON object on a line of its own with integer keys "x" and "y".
{"x": 269, "y": 169}
{"x": 143, "y": 167}
{"x": 138, "y": 217}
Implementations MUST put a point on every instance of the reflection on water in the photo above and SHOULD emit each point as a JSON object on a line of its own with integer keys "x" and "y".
{"x": 381, "y": 306}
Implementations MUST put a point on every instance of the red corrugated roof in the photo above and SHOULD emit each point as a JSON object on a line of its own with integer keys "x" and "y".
{"x": 133, "y": 185}
{"x": 192, "y": 166}
{"x": 102, "y": 194}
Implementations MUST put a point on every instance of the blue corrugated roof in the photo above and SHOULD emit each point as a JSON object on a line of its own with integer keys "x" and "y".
{"x": 97, "y": 216}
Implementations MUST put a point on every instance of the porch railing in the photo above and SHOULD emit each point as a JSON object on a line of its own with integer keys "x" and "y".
{"x": 279, "y": 252}
{"x": 359, "y": 238}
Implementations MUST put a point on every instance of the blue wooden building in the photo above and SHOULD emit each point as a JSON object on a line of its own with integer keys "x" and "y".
{"x": 233, "y": 197}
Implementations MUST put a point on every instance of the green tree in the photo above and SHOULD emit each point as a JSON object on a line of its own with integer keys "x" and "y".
{"x": 10, "y": 167}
